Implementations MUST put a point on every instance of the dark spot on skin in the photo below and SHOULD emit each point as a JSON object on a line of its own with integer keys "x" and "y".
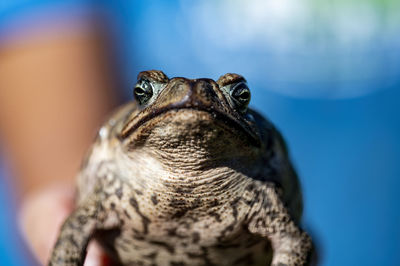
{"x": 249, "y": 202}
{"x": 154, "y": 199}
{"x": 203, "y": 255}
{"x": 183, "y": 190}
{"x": 138, "y": 192}
{"x": 214, "y": 203}
{"x": 273, "y": 215}
{"x": 139, "y": 237}
{"x": 127, "y": 214}
{"x": 182, "y": 206}
{"x": 234, "y": 204}
{"x": 68, "y": 261}
{"x": 152, "y": 255}
{"x": 124, "y": 247}
{"x": 196, "y": 203}
{"x": 177, "y": 263}
{"x": 82, "y": 219}
{"x": 74, "y": 227}
{"x": 101, "y": 208}
{"x": 194, "y": 219}
{"x": 72, "y": 240}
{"x": 250, "y": 187}
{"x": 136, "y": 263}
{"x": 126, "y": 240}
{"x": 185, "y": 225}
{"x": 168, "y": 247}
{"x": 225, "y": 230}
{"x": 198, "y": 135}
{"x": 194, "y": 255}
{"x": 260, "y": 222}
{"x": 215, "y": 215}
{"x": 179, "y": 213}
{"x": 178, "y": 203}
{"x": 137, "y": 232}
{"x": 172, "y": 231}
{"x": 196, "y": 237}
{"x": 266, "y": 204}
{"x": 145, "y": 220}
{"x": 118, "y": 192}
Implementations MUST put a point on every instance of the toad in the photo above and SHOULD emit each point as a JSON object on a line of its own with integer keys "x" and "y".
{"x": 187, "y": 174}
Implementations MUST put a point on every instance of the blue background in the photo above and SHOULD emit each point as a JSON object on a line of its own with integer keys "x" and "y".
{"x": 341, "y": 122}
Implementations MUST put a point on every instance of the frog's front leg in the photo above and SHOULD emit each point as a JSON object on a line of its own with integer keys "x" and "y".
{"x": 269, "y": 218}
{"x": 75, "y": 234}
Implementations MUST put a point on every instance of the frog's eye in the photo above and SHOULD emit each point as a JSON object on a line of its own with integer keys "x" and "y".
{"x": 240, "y": 94}
{"x": 143, "y": 91}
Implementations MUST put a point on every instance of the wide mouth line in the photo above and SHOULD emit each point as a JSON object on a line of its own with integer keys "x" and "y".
{"x": 225, "y": 118}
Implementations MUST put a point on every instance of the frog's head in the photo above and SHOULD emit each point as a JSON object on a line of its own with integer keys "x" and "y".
{"x": 203, "y": 125}
{"x": 195, "y": 115}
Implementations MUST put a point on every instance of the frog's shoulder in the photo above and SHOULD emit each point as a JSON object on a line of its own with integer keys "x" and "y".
{"x": 277, "y": 161}
{"x": 101, "y": 158}
{"x": 116, "y": 121}
{"x": 107, "y": 138}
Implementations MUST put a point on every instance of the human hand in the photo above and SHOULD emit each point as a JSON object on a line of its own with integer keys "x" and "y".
{"x": 41, "y": 217}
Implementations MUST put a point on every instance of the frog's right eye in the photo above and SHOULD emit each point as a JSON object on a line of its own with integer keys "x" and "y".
{"x": 143, "y": 91}
{"x": 240, "y": 94}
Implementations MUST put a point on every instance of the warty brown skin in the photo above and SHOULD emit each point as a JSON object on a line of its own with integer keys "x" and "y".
{"x": 187, "y": 176}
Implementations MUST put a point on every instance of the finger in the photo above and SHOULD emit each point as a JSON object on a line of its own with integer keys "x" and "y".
{"x": 95, "y": 256}
{"x": 41, "y": 217}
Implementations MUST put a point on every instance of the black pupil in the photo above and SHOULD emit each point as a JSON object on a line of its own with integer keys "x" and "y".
{"x": 244, "y": 95}
{"x": 139, "y": 91}
{"x": 143, "y": 92}
{"x": 241, "y": 93}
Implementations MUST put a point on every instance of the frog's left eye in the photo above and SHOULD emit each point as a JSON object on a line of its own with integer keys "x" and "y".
{"x": 143, "y": 91}
{"x": 240, "y": 94}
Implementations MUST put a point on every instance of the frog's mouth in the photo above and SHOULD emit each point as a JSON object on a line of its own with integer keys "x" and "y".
{"x": 225, "y": 120}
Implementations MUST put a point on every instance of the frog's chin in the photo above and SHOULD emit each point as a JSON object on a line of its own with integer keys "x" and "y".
{"x": 191, "y": 129}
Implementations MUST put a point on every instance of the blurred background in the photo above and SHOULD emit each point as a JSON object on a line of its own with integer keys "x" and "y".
{"x": 327, "y": 73}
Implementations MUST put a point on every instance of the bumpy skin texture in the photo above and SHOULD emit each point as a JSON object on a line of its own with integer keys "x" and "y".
{"x": 187, "y": 178}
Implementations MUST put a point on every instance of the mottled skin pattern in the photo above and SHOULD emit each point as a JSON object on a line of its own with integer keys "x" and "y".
{"x": 188, "y": 176}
